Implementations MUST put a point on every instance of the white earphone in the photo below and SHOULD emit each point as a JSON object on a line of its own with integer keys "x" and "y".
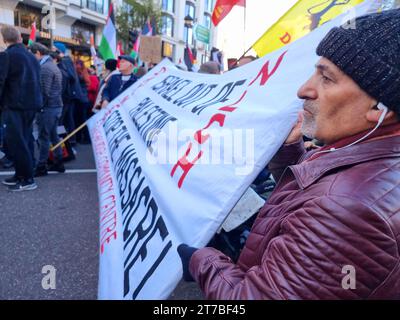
{"x": 385, "y": 110}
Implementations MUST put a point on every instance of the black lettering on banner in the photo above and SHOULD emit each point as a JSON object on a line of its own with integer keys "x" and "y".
{"x": 222, "y": 96}
{"x": 174, "y": 88}
{"x": 128, "y": 180}
{"x": 132, "y": 189}
{"x": 164, "y": 83}
{"x": 197, "y": 93}
{"x": 142, "y": 253}
{"x": 136, "y": 202}
{"x": 170, "y": 86}
{"x": 116, "y": 131}
{"x": 149, "y": 119}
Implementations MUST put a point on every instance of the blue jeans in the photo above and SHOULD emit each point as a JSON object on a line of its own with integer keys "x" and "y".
{"x": 47, "y": 121}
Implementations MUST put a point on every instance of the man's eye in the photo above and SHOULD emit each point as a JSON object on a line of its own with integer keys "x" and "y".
{"x": 325, "y": 78}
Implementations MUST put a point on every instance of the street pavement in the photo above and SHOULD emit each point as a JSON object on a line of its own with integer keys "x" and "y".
{"x": 56, "y": 225}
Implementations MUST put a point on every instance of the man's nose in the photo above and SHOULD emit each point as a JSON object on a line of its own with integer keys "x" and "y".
{"x": 308, "y": 90}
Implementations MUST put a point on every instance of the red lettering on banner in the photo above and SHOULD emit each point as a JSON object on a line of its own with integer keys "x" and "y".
{"x": 124, "y": 99}
{"x": 286, "y": 38}
{"x": 107, "y": 240}
{"x": 201, "y": 138}
{"x": 230, "y": 108}
{"x": 264, "y": 72}
{"x": 162, "y": 70}
{"x": 185, "y": 164}
{"x": 108, "y": 214}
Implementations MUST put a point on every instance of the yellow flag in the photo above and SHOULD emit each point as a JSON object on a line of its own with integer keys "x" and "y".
{"x": 303, "y": 17}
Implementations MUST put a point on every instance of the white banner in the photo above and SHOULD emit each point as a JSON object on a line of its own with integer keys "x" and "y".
{"x": 176, "y": 151}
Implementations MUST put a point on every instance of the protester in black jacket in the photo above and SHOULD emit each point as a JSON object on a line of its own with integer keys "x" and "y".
{"x": 72, "y": 92}
{"x": 4, "y": 156}
{"x": 4, "y": 61}
{"x": 21, "y": 98}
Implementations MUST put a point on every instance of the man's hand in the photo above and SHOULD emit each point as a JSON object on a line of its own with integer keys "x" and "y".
{"x": 296, "y": 134}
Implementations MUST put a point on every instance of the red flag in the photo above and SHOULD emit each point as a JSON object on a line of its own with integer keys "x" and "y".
{"x": 223, "y": 7}
{"x": 32, "y": 36}
{"x": 120, "y": 51}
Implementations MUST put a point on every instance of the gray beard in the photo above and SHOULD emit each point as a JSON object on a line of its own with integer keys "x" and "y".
{"x": 309, "y": 128}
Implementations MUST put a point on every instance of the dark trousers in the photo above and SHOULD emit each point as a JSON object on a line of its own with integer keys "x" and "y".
{"x": 81, "y": 114}
{"x": 19, "y": 139}
{"x": 47, "y": 121}
{"x": 67, "y": 116}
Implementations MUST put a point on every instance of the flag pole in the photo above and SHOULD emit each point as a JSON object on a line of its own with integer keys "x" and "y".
{"x": 244, "y": 24}
{"x": 69, "y": 136}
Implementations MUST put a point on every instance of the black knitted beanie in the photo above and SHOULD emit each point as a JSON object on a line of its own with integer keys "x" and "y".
{"x": 369, "y": 53}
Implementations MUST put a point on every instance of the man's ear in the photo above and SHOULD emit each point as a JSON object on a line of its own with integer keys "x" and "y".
{"x": 374, "y": 114}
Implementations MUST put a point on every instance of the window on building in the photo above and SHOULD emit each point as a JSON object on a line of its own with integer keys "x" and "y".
{"x": 168, "y": 50}
{"x": 168, "y": 5}
{"x": 81, "y": 31}
{"x": 167, "y": 25}
{"x": 95, "y": 5}
{"x": 207, "y": 20}
{"x": 190, "y": 9}
{"x": 25, "y": 15}
{"x": 207, "y": 23}
{"x": 209, "y": 5}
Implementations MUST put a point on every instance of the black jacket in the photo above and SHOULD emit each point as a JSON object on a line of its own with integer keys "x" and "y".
{"x": 21, "y": 88}
{"x": 51, "y": 82}
{"x": 71, "y": 88}
{"x": 115, "y": 86}
{"x": 3, "y": 70}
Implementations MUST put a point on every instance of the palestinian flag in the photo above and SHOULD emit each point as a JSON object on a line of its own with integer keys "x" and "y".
{"x": 108, "y": 44}
{"x": 32, "y": 36}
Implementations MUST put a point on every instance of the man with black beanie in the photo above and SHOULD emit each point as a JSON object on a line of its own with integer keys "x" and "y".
{"x": 330, "y": 230}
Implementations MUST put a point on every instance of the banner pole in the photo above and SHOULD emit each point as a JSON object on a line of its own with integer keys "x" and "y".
{"x": 69, "y": 136}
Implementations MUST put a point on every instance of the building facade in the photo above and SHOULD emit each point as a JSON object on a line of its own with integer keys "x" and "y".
{"x": 75, "y": 21}
{"x": 176, "y": 34}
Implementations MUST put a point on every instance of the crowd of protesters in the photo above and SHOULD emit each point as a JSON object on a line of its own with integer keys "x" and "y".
{"x": 59, "y": 92}
{"x": 48, "y": 90}
{"x": 332, "y": 208}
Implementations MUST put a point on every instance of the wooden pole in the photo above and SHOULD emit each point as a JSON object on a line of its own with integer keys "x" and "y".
{"x": 69, "y": 136}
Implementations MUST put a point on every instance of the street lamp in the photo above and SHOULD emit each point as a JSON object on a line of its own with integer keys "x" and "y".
{"x": 188, "y": 21}
{"x": 188, "y": 25}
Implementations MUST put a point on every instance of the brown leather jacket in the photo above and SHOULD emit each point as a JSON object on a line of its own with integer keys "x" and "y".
{"x": 329, "y": 212}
